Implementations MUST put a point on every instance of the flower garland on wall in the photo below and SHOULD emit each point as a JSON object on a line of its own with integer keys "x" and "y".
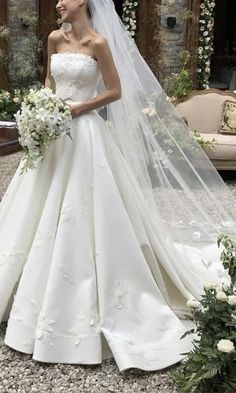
{"x": 129, "y": 15}
{"x": 205, "y": 48}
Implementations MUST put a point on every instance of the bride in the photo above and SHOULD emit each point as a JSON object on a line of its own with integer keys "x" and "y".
{"x": 102, "y": 245}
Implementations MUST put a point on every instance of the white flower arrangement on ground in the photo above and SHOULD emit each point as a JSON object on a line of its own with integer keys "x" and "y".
{"x": 43, "y": 118}
{"x": 211, "y": 365}
{"x": 129, "y": 15}
{"x": 205, "y": 48}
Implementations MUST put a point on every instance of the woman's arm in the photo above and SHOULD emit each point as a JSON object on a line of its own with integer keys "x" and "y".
{"x": 51, "y": 48}
{"x": 110, "y": 77}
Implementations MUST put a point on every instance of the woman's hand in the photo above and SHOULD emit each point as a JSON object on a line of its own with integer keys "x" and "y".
{"x": 74, "y": 110}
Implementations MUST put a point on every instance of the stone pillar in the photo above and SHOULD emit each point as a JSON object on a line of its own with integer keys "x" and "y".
{"x": 172, "y": 39}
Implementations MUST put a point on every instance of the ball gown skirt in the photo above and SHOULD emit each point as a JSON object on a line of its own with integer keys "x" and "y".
{"x": 81, "y": 278}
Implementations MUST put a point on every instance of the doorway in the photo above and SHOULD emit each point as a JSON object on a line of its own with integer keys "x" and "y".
{"x": 223, "y": 63}
{"x": 119, "y": 7}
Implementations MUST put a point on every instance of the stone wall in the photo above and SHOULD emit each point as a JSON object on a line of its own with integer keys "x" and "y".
{"x": 173, "y": 39}
{"x": 18, "y": 32}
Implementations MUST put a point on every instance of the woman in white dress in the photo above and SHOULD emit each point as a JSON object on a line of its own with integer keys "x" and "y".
{"x": 104, "y": 243}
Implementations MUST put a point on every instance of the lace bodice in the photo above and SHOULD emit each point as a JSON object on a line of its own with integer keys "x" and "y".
{"x": 76, "y": 75}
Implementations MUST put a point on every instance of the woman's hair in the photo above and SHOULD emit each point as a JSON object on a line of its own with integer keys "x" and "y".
{"x": 88, "y": 11}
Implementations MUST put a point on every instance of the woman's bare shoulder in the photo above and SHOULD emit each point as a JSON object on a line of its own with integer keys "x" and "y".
{"x": 55, "y": 36}
{"x": 99, "y": 44}
{"x": 99, "y": 40}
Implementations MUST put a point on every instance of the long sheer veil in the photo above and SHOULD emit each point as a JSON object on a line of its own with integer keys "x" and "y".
{"x": 181, "y": 194}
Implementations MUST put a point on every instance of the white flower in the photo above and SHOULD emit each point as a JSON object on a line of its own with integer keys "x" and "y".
{"x": 42, "y": 119}
{"x": 193, "y": 303}
{"x": 226, "y": 286}
{"x": 210, "y": 285}
{"x": 225, "y": 346}
{"x": 149, "y": 111}
{"x": 220, "y": 295}
{"x": 232, "y": 300}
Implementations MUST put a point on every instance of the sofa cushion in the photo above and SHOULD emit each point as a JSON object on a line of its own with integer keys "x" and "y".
{"x": 224, "y": 146}
{"x": 204, "y": 111}
{"x": 228, "y": 121}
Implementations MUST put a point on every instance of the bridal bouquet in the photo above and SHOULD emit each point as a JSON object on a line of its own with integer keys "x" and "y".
{"x": 43, "y": 118}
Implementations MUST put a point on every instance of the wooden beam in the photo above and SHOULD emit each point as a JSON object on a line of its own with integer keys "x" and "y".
{"x": 192, "y": 37}
{"x": 148, "y": 30}
{"x": 48, "y": 23}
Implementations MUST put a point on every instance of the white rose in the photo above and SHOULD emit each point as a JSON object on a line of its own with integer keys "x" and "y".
{"x": 193, "y": 304}
{"x": 220, "y": 295}
{"x": 232, "y": 300}
{"x": 225, "y": 346}
{"x": 210, "y": 285}
{"x": 226, "y": 286}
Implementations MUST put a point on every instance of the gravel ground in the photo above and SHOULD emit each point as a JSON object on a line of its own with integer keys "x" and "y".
{"x": 8, "y": 165}
{"x": 20, "y": 374}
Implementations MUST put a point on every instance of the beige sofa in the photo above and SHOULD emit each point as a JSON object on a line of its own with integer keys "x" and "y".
{"x": 203, "y": 111}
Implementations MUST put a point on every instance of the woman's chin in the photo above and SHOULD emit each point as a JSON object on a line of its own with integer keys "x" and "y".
{"x": 65, "y": 19}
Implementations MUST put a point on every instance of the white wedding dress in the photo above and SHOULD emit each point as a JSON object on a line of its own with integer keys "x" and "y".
{"x": 81, "y": 279}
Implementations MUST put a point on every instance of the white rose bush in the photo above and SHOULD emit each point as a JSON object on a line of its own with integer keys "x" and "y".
{"x": 10, "y": 103}
{"x": 211, "y": 365}
{"x": 206, "y": 38}
{"x": 129, "y": 16}
{"x": 43, "y": 118}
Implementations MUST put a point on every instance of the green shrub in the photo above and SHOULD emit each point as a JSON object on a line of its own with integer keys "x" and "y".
{"x": 211, "y": 365}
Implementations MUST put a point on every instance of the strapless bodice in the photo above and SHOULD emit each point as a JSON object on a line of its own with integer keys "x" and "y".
{"x": 76, "y": 75}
